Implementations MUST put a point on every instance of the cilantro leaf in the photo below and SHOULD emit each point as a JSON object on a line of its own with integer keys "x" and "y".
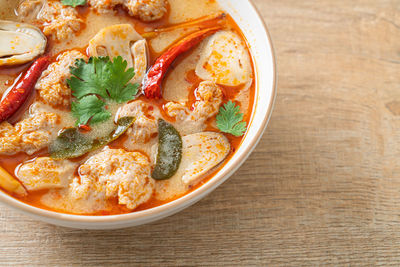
{"x": 127, "y": 93}
{"x": 118, "y": 78}
{"x": 105, "y": 80}
{"x": 230, "y": 120}
{"x": 73, "y": 3}
{"x": 89, "y": 78}
{"x": 89, "y": 108}
{"x": 102, "y": 77}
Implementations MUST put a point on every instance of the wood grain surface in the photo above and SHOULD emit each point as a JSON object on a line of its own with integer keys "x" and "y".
{"x": 321, "y": 189}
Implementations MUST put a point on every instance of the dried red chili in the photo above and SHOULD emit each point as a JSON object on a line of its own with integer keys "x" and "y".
{"x": 152, "y": 84}
{"x": 20, "y": 92}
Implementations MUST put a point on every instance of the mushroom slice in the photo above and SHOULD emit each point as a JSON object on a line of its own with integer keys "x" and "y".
{"x": 201, "y": 152}
{"x": 117, "y": 40}
{"x": 20, "y": 42}
{"x": 225, "y": 60}
{"x": 139, "y": 52}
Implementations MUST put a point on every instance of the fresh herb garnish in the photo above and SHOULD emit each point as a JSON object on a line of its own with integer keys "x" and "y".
{"x": 89, "y": 108}
{"x": 96, "y": 84}
{"x": 73, "y": 3}
{"x": 230, "y": 120}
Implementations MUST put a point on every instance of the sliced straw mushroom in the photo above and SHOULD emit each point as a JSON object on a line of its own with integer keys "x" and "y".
{"x": 115, "y": 41}
{"x": 20, "y": 43}
{"x": 139, "y": 52}
{"x": 225, "y": 60}
{"x": 122, "y": 40}
{"x": 201, "y": 152}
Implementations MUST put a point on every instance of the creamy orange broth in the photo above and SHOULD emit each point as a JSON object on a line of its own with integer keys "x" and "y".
{"x": 95, "y": 22}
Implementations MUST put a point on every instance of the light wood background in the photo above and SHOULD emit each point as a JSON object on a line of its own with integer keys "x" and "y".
{"x": 323, "y": 186}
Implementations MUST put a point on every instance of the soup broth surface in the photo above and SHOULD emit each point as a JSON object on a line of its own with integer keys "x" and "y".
{"x": 122, "y": 181}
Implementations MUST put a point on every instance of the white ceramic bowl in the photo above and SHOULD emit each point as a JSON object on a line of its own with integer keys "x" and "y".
{"x": 247, "y": 17}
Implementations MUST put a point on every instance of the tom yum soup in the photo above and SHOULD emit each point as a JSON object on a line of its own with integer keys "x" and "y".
{"x": 110, "y": 107}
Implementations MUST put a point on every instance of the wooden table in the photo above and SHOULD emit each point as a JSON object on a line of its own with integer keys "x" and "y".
{"x": 323, "y": 186}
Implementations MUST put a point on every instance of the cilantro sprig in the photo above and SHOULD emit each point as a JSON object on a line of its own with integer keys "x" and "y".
{"x": 230, "y": 120}
{"x": 96, "y": 84}
{"x": 89, "y": 108}
{"x": 73, "y": 3}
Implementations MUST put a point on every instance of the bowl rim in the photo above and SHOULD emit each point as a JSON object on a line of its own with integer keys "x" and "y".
{"x": 177, "y": 204}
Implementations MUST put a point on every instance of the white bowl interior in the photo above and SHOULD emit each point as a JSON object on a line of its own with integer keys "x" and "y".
{"x": 254, "y": 29}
